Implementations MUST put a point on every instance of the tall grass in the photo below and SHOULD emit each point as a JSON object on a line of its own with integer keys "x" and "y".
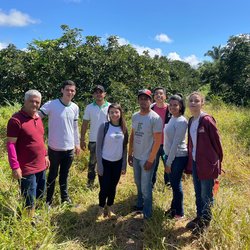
{"x": 65, "y": 227}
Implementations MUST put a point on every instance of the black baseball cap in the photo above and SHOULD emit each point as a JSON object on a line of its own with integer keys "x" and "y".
{"x": 100, "y": 87}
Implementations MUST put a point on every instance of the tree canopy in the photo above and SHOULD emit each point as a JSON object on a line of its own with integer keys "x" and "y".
{"x": 119, "y": 68}
{"x": 229, "y": 73}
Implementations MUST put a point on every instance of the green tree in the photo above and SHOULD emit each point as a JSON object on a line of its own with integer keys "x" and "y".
{"x": 229, "y": 73}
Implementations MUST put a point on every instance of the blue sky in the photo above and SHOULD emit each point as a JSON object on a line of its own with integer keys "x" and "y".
{"x": 179, "y": 29}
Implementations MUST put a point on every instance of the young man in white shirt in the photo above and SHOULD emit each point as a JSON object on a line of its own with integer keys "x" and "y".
{"x": 63, "y": 138}
{"x": 94, "y": 115}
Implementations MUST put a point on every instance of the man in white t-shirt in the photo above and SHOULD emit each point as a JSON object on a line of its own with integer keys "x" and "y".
{"x": 144, "y": 143}
{"x": 95, "y": 114}
{"x": 63, "y": 139}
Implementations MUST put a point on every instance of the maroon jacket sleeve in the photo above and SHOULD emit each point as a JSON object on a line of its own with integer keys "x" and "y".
{"x": 214, "y": 136}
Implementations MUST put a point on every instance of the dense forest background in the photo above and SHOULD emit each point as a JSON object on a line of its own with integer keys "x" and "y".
{"x": 44, "y": 64}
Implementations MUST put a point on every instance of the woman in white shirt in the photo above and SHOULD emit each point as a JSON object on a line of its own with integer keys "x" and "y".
{"x": 111, "y": 152}
{"x": 176, "y": 153}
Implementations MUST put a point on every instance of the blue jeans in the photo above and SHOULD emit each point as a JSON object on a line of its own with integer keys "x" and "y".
{"x": 143, "y": 181}
{"x": 177, "y": 168}
{"x": 203, "y": 194}
{"x": 62, "y": 159}
{"x": 160, "y": 154}
{"x": 33, "y": 187}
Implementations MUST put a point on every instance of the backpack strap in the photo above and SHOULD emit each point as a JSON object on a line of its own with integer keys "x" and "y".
{"x": 106, "y": 128}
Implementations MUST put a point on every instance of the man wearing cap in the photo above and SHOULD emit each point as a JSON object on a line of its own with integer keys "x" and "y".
{"x": 95, "y": 114}
{"x": 145, "y": 140}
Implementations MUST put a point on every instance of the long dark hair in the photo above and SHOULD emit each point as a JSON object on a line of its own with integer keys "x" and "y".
{"x": 122, "y": 121}
{"x": 178, "y": 97}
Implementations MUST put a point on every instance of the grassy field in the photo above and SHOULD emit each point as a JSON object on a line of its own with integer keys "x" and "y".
{"x": 64, "y": 227}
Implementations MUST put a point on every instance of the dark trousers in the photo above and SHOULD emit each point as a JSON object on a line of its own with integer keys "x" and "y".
{"x": 33, "y": 187}
{"x": 160, "y": 154}
{"x": 177, "y": 169}
{"x": 92, "y": 162}
{"x": 109, "y": 181}
{"x": 63, "y": 159}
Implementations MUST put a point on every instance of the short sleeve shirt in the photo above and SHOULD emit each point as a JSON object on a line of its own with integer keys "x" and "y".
{"x": 162, "y": 113}
{"x": 113, "y": 144}
{"x": 144, "y": 127}
{"x": 96, "y": 115}
{"x": 30, "y": 146}
{"x": 61, "y": 124}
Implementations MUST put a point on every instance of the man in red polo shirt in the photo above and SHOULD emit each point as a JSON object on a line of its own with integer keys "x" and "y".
{"x": 26, "y": 149}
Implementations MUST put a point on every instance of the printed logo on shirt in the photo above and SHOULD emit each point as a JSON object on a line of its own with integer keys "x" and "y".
{"x": 138, "y": 131}
{"x": 139, "y": 126}
{"x": 201, "y": 130}
{"x": 118, "y": 135}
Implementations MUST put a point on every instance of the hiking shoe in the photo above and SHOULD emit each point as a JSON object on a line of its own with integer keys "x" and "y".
{"x": 67, "y": 200}
{"x": 200, "y": 227}
{"x": 170, "y": 213}
{"x": 100, "y": 214}
{"x": 137, "y": 209}
{"x": 179, "y": 217}
{"x": 110, "y": 212}
{"x": 193, "y": 223}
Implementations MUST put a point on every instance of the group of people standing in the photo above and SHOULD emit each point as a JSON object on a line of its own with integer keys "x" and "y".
{"x": 158, "y": 132}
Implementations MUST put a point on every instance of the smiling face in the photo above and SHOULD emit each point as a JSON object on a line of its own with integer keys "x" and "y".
{"x": 68, "y": 93}
{"x": 32, "y": 104}
{"x": 114, "y": 115}
{"x": 195, "y": 103}
{"x": 174, "y": 108}
{"x": 159, "y": 96}
{"x": 99, "y": 96}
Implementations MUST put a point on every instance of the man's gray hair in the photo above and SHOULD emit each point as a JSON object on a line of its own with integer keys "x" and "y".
{"x": 32, "y": 92}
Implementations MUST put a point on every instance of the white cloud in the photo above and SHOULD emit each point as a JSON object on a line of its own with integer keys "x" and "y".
{"x": 3, "y": 45}
{"x": 15, "y": 18}
{"x": 163, "y": 38}
{"x": 174, "y": 56}
{"x": 152, "y": 52}
{"x": 122, "y": 41}
{"x": 192, "y": 59}
{"x": 140, "y": 49}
